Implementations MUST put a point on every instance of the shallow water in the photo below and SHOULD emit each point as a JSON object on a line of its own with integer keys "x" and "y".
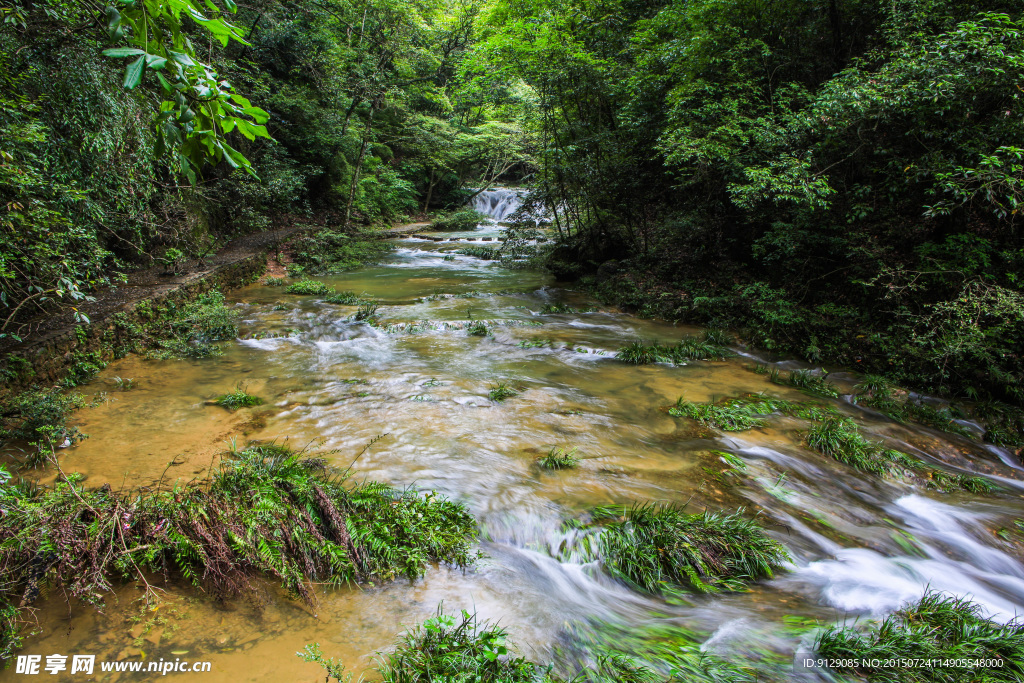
{"x": 861, "y": 546}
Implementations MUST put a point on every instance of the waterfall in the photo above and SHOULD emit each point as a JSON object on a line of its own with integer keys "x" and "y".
{"x": 498, "y": 203}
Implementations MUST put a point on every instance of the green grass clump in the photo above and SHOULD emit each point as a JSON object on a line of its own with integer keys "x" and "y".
{"x": 367, "y": 311}
{"x": 801, "y": 379}
{"x": 477, "y": 329}
{"x": 535, "y": 343}
{"x": 483, "y": 253}
{"x": 238, "y": 399}
{"x": 708, "y": 346}
{"x": 745, "y": 412}
{"x": 501, "y": 391}
{"x": 458, "y": 221}
{"x": 275, "y": 281}
{"x": 560, "y": 459}
{"x": 457, "y": 649}
{"x": 878, "y": 393}
{"x": 345, "y": 299}
{"x": 268, "y": 511}
{"x": 840, "y": 439}
{"x": 309, "y": 287}
{"x": 938, "y": 628}
{"x": 558, "y": 308}
{"x": 662, "y": 549}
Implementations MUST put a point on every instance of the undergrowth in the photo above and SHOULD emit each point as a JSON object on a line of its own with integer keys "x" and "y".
{"x": 330, "y": 251}
{"x": 939, "y": 629}
{"x": 458, "y": 221}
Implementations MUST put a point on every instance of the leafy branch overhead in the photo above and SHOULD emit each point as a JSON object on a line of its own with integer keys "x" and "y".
{"x": 199, "y": 108}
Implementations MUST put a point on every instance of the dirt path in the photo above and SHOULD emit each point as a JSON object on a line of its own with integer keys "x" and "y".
{"x": 50, "y": 339}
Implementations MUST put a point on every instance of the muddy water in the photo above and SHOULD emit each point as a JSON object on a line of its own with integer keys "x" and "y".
{"x": 418, "y": 384}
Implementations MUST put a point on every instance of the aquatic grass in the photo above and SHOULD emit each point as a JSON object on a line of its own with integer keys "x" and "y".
{"x": 275, "y": 281}
{"x": 309, "y": 287}
{"x": 840, "y": 439}
{"x": 660, "y": 548}
{"x": 501, "y": 391}
{"x": 811, "y": 383}
{"x": 267, "y": 511}
{"x": 39, "y": 417}
{"x": 482, "y": 253}
{"x": 908, "y": 410}
{"x": 535, "y": 343}
{"x": 345, "y": 299}
{"x": 367, "y": 312}
{"x": 704, "y": 347}
{"x": 477, "y": 328}
{"x": 457, "y": 649}
{"x": 746, "y": 412}
{"x": 564, "y": 308}
{"x": 560, "y": 459}
{"x": 236, "y": 399}
{"x": 938, "y": 629}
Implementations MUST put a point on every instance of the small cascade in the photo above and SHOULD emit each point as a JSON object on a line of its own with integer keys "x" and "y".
{"x": 499, "y": 203}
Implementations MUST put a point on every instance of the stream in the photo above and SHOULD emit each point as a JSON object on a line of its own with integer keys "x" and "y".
{"x": 861, "y": 546}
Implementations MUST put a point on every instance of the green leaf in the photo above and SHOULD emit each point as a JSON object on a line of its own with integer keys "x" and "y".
{"x": 155, "y": 61}
{"x": 123, "y": 52}
{"x": 133, "y": 74}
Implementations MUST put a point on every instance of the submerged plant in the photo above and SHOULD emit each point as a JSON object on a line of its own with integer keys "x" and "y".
{"x": 663, "y": 549}
{"x": 560, "y": 459}
{"x": 309, "y": 287}
{"x": 943, "y": 630}
{"x": 501, "y": 391}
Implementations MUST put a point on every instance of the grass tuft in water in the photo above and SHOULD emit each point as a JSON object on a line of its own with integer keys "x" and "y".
{"x": 560, "y": 459}
{"x": 938, "y": 628}
{"x": 501, "y": 391}
{"x": 238, "y": 398}
{"x": 483, "y": 253}
{"x": 309, "y": 287}
{"x": 705, "y": 347}
{"x": 367, "y": 312}
{"x": 266, "y": 511}
{"x": 745, "y": 412}
{"x": 275, "y": 281}
{"x": 345, "y": 299}
{"x": 477, "y": 329}
{"x": 663, "y": 549}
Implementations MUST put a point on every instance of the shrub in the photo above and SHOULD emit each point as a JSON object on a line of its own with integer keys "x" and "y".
{"x": 329, "y": 251}
{"x": 193, "y": 330}
{"x": 460, "y": 220}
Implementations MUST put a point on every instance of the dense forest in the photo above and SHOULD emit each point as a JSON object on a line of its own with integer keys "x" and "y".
{"x": 838, "y": 179}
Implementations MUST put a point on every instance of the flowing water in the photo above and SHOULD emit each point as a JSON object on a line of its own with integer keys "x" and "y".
{"x": 861, "y": 546}
{"x": 498, "y": 204}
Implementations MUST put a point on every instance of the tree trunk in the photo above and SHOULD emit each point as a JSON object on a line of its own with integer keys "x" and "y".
{"x": 359, "y": 164}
